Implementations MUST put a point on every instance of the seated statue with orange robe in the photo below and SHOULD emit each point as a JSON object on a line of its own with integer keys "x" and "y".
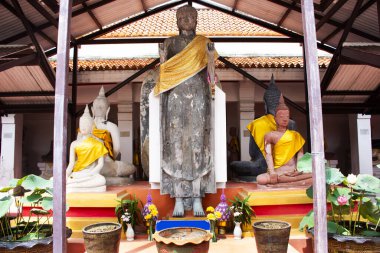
{"x": 86, "y": 160}
{"x": 283, "y": 148}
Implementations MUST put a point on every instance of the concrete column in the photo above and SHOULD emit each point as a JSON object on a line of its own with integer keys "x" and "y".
{"x": 126, "y": 132}
{"x": 11, "y": 148}
{"x": 247, "y": 113}
{"x": 361, "y": 144}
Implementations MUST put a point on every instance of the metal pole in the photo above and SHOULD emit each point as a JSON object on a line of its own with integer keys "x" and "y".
{"x": 316, "y": 127}
{"x": 60, "y": 128}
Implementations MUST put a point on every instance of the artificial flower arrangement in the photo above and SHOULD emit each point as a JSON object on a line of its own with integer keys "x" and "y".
{"x": 242, "y": 211}
{"x": 354, "y": 209}
{"x": 150, "y": 215}
{"x": 213, "y": 216}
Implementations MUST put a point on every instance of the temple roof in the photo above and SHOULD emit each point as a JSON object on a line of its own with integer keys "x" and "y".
{"x": 210, "y": 23}
{"x": 242, "y": 62}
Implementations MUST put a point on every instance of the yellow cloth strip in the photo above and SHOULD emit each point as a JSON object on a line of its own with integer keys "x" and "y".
{"x": 107, "y": 139}
{"x": 260, "y": 127}
{"x": 182, "y": 66}
{"x": 288, "y": 145}
{"x": 87, "y": 152}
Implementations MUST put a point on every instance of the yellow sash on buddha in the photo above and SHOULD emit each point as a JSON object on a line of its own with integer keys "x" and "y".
{"x": 107, "y": 139}
{"x": 87, "y": 152}
{"x": 260, "y": 127}
{"x": 286, "y": 148}
{"x": 182, "y": 66}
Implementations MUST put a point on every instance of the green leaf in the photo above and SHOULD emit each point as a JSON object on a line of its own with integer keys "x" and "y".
{"x": 370, "y": 211}
{"x": 32, "y": 236}
{"x": 334, "y": 176}
{"x": 47, "y": 203}
{"x": 307, "y": 221}
{"x": 309, "y": 192}
{"x": 32, "y": 198}
{"x": 371, "y": 233}
{"x": 5, "y": 204}
{"x": 31, "y": 182}
{"x": 6, "y": 189}
{"x": 334, "y": 228}
{"x": 367, "y": 183}
{"x": 304, "y": 164}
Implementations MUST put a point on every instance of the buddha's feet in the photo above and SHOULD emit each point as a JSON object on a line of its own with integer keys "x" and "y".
{"x": 197, "y": 208}
{"x": 179, "y": 209}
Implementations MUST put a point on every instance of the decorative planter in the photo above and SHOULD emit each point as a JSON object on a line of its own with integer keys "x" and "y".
{"x": 271, "y": 236}
{"x": 182, "y": 240}
{"x": 102, "y": 237}
{"x": 130, "y": 234}
{"x": 237, "y": 231}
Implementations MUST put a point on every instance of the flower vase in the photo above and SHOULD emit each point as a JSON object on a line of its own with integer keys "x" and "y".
{"x": 212, "y": 230}
{"x": 130, "y": 234}
{"x": 237, "y": 231}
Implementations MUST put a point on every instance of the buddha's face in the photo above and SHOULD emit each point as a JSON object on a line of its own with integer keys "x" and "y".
{"x": 282, "y": 118}
{"x": 100, "y": 108}
{"x": 85, "y": 125}
{"x": 187, "y": 22}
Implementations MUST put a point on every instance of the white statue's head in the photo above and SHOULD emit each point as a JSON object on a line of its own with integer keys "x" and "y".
{"x": 101, "y": 107}
{"x": 86, "y": 122}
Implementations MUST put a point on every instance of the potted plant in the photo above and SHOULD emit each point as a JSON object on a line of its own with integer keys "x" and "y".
{"x": 242, "y": 205}
{"x": 29, "y": 231}
{"x": 353, "y": 212}
{"x": 102, "y": 237}
{"x": 127, "y": 212}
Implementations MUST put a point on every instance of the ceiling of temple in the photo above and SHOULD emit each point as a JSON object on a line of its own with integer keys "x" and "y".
{"x": 29, "y": 31}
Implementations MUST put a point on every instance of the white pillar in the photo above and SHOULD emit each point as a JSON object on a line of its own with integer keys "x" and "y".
{"x": 361, "y": 144}
{"x": 11, "y": 148}
{"x": 247, "y": 113}
{"x": 124, "y": 117}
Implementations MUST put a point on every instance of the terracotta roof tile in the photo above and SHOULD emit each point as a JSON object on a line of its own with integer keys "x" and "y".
{"x": 242, "y": 62}
{"x": 210, "y": 23}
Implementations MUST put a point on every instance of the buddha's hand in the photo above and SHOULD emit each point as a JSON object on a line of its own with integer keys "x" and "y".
{"x": 293, "y": 173}
{"x": 273, "y": 178}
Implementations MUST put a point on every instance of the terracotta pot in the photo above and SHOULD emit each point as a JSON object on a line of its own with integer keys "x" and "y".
{"x": 181, "y": 240}
{"x": 271, "y": 236}
{"x": 102, "y": 237}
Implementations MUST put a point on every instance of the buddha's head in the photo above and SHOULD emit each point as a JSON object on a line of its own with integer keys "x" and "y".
{"x": 100, "y": 107}
{"x": 187, "y": 18}
{"x": 271, "y": 97}
{"x": 282, "y": 113}
{"x": 86, "y": 122}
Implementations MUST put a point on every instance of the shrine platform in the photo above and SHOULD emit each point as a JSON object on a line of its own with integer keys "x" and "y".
{"x": 268, "y": 203}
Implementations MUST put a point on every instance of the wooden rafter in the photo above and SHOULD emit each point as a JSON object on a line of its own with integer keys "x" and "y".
{"x": 343, "y": 25}
{"x": 334, "y": 64}
{"x": 378, "y": 14}
{"x": 52, "y": 4}
{"x": 144, "y": 5}
{"x": 235, "y": 5}
{"x": 48, "y": 24}
{"x": 286, "y": 14}
{"x": 325, "y": 4}
{"x": 361, "y": 57}
{"x": 42, "y": 34}
{"x": 330, "y": 13}
{"x": 92, "y": 15}
{"x": 45, "y": 65}
{"x": 19, "y": 62}
{"x": 330, "y": 21}
{"x": 374, "y": 98}
{"x": 27, "y": 94}
{"x": 262, "y": 23}
{"x": 348, "y": 92}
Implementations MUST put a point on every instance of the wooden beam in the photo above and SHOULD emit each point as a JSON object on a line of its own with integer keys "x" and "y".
{"x": 286, "y": 14}
{"x": 36, "y": 5}
{"x": 235, "y": 5}
{"x": 374, "y": 98}
{"x": 42, "y": 34}
{"x": 25, "y": 108}
{"x": 258, "y": 82}
{"x": 52, "y": 4}
{"x": 350, "y": 108}
{"x": 126, "y": 81}
{"x": 262, "y": 23}
{"x": 325, "y": 4}
{"x": 92, "y": 15}
{"x": 361, "y": 57}
{"x": 60, "y": 128}
{"x": 47, "y": 25}
{"x": 45, "y": 65}
{"x": 330, "y": 21}
{"x": 213, "y": 39}
{"x": 353, "y": 30}
{"x": 27, "y": 94}
{"x": 74, "y": 94}
{"x": 146, "y": 9}
{"x": 330, "y": 13}
{"x": 18, "y": 62}
{"x": 316, "y": 127}
{"x": 334, "y": 63}
{"x": 348, "y": 92}
{"x": 378, "y": 14}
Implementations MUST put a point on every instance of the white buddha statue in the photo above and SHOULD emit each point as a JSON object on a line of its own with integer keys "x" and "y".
{"x": 86, "y": 159}
{"x": 109, "y": 133}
